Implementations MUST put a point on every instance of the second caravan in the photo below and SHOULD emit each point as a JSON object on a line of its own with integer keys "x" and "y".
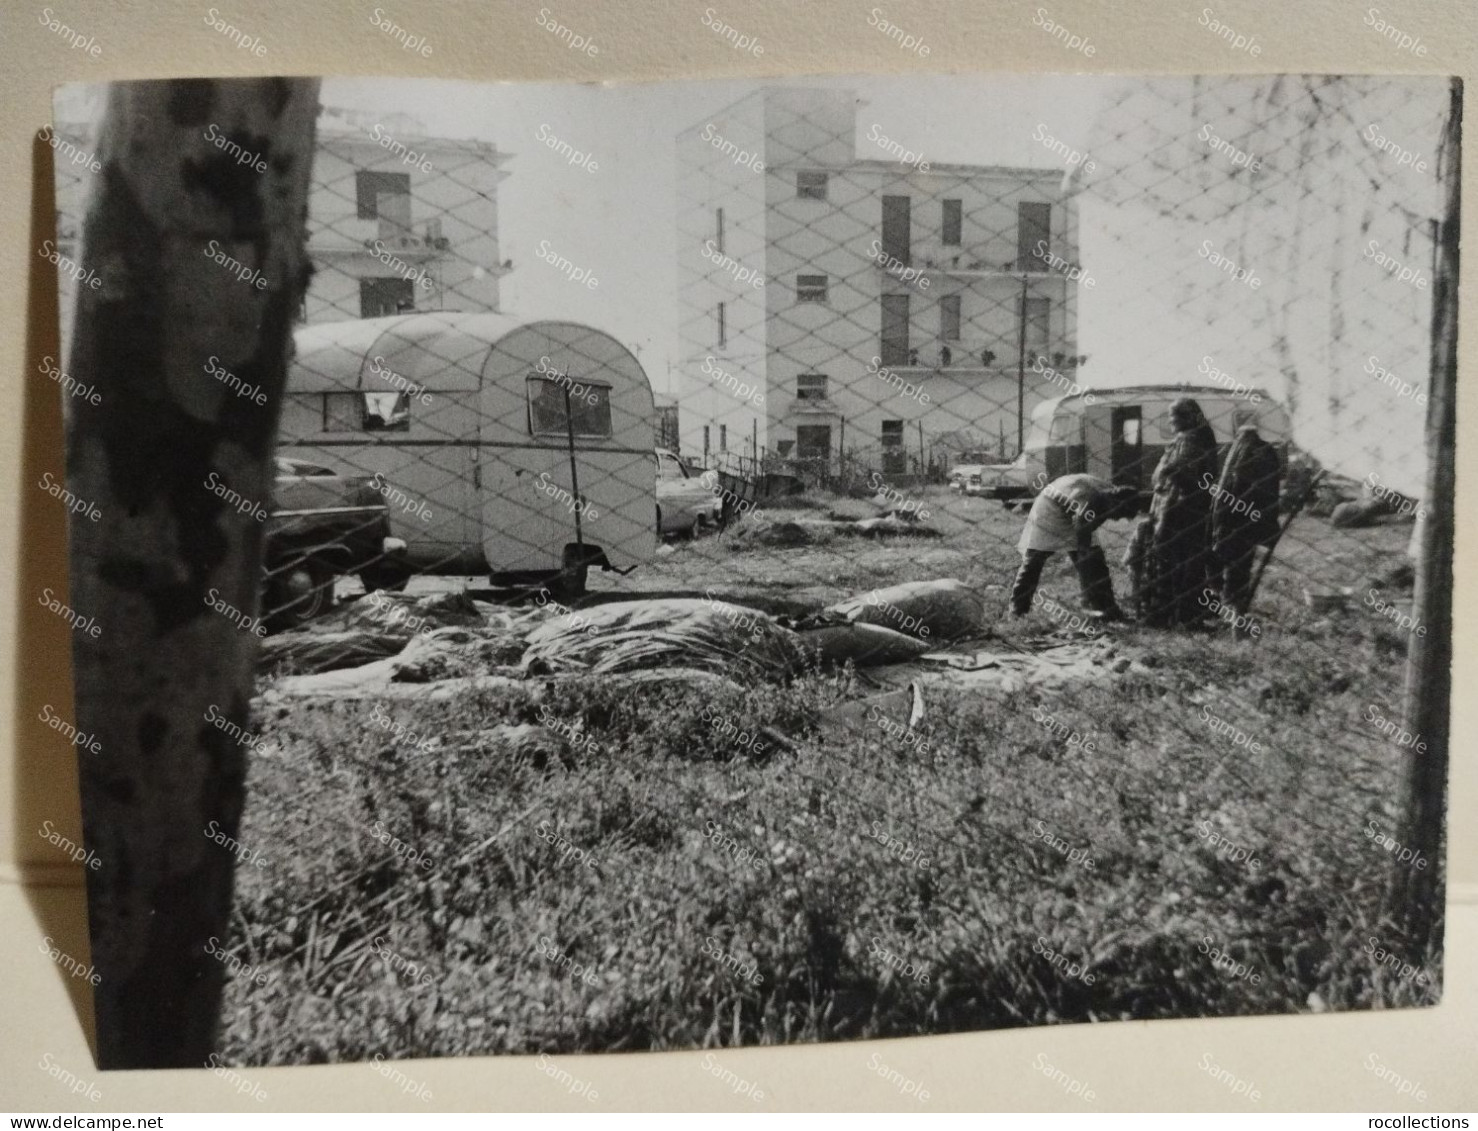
{"x": 1120, "y": 434}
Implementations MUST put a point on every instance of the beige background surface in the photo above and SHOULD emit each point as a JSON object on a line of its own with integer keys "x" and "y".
{"x": 1295, "y": 1062}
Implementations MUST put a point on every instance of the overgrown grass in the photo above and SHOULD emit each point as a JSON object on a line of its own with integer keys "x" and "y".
{"x": 653, "y": 781}
{"x": 826, "y": 896}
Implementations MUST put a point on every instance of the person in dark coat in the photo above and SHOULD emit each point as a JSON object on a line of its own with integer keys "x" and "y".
{"x": 1064, "y": 517}
{"x": 1244, "y": 513}
{"x": 1181, "y": 561}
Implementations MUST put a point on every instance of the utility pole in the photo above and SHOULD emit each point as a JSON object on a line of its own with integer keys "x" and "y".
{"x": 1021, "y": 372}
{"x": 1415, "y": 894}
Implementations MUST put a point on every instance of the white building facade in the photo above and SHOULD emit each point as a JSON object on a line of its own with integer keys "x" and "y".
{"x": 397, "y": 220}
{"x": 890, "y": 319}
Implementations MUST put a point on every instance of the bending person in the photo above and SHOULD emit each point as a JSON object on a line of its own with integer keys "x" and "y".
{"x": 1064, "y": 517}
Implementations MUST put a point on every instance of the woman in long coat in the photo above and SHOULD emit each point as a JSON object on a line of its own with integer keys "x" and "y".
{"x": 1181, "y": 563}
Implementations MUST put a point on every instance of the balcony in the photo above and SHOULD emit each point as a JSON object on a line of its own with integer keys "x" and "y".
{"x": 966, "y": 264}
{"x": 999, "y": 354}
{"x": 353, "y": 237}
{"x": 812, "y": 406}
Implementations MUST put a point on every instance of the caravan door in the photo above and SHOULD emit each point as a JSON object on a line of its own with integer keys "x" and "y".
{"x": 1126, "y": 448}
{"x": 1098, "y": 439}
{"x": 537, "y": 495}
{"x": 1115, "y": 443}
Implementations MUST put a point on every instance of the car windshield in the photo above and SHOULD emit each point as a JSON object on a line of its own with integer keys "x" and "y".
{"x": 670, "y": 467}
{"x": 295, "y": 467}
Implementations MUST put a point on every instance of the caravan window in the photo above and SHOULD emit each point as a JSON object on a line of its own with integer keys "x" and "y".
{"x": 366, "y": 412}
{"x": 1065, "y": 429}
{"x": 590, "y": 407}
{"x": 342, "y": 412}
{"x": 387, "y": 412}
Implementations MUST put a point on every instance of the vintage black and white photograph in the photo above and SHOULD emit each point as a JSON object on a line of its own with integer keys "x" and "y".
{"x": 586, "y": 568}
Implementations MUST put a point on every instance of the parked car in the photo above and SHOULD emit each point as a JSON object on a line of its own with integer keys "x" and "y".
{"x": 1005, "y": 481}
{"x": 963, "y": 475}
{"x": 967, "y": 469}
{"x": 323, "y": 526}
{"x": 687, "y": 499}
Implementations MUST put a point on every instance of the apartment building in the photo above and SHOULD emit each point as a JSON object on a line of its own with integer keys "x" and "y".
{"x": 397, "y": 220}
{"x": 882, "y": 306}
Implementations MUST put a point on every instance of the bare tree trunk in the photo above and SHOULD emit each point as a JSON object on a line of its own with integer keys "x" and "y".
{"x": 152, "y": 453}
{"x": 1416, "y": 898}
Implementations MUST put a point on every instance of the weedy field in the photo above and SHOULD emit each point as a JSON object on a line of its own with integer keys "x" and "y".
{"x": 614, "y": 863}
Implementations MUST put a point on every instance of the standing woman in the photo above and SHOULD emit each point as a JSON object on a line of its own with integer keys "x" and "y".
{"x": 1180, "y": 563}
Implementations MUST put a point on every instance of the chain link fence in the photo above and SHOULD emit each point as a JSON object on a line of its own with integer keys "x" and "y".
{"x": 886, "y": 363}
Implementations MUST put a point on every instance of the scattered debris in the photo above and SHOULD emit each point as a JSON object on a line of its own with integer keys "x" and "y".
{"x": 1011, "y": 671}
{"x": 761, "y": 533}
{"x": 809, "y": 531}
{"x": 904, "y": 707}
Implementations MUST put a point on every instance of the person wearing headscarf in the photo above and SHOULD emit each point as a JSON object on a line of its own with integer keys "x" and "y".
{"x": 1180, "y": 561}
{"x": 1064, "y": 517}
{"x": 1244, "y": 513}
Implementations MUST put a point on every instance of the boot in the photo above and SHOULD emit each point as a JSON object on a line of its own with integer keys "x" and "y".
{"x": 1097, "y": 584}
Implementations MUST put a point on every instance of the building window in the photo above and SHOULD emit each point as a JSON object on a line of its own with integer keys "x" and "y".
{"x": 949, "y": 318}
{"x": 810, "y": 387}
{"x": 557, "y": 409}
{"x": 897, "y": 229}
{"x": 723, "y": 329}
{"x": 723, "y": 437}
{"x": 381, "y": 296}
{"x": 810, "y": 186}
{"x": 952, "y": 222}
{"x": 813, "y": 441}
{"x": 370, "y": 187}
{"x": 1033, "y": 226}
{"x": 718, "y": 233}
{"x": 895, "y": 458}
{"x": 810, "y": 288}
{"x": 1037, "y": 320}
{"x": 894, "y": 340}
